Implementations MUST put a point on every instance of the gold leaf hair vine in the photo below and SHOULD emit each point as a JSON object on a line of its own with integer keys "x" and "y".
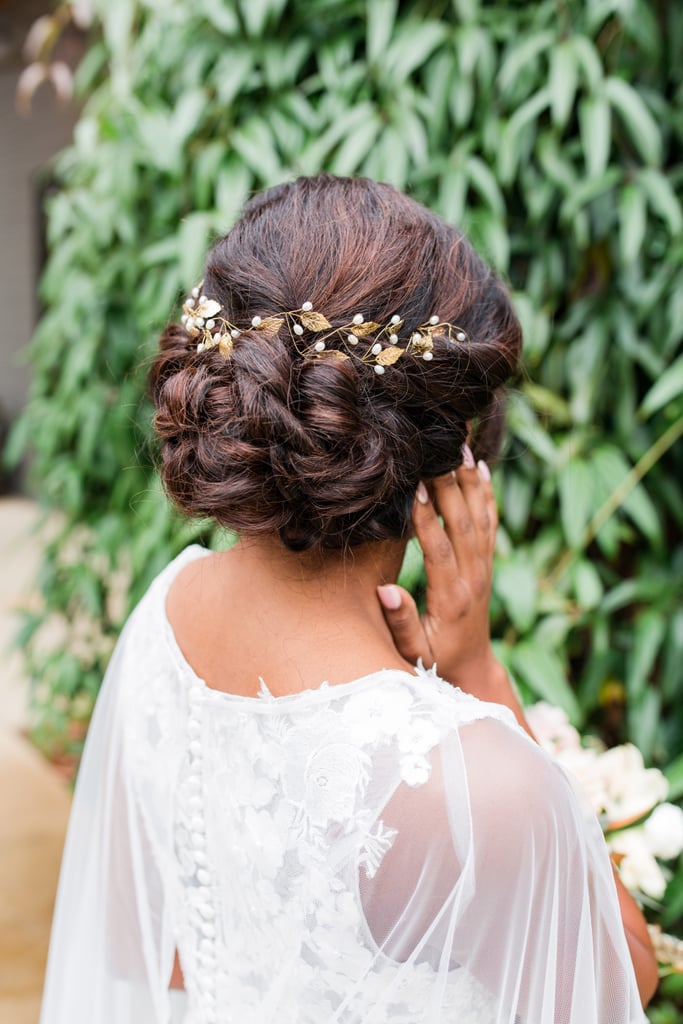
{"x": 203, "y": 323}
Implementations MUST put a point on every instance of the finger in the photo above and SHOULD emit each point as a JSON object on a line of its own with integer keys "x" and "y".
{"x": 470, "y": 547}
{"x": 402, "y": 618}
{"x": 444, "y": 587}
{"x": 472, "y": 481}
{"x": 490, "y": 497}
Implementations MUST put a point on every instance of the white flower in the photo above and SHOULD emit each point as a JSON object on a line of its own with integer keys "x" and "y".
{"x": 632, "y": 790}
{"x": 638, "y": 869}
{"x": 377, "y": 711}
{"x": 552, "y": 728}
{"x": 415, "y": 769}
{"x": 664, "y": 831}
{"x": 417, "y": 736}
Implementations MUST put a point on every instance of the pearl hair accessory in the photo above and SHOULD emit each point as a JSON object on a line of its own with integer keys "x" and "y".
{"x": 202, "y": 322}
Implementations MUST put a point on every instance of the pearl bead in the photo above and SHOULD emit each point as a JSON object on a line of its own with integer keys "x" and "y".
{"x": 210, "y": 324}
{"x": 427, "y": 356}
{"x": 379, "y": 369}
{"x": 203, "y": 876}
{"x": 298, "y": 329}
{"x": 376, "y": 349}
{"x": 395, "y": 319}
{"x": 352, "y": 339}
{"x": 196, "y": 748}
{"x": 393, "y": 338}
{"x": 358, "y": 319}
{"x": 256, "y": 321}
{"x": 307, "y": 307}
{"x": 234, "y": 333}
{"x": 434, "y": 320}
{"x": 319, "y": 346}
{"x": 195, "y": 292}
{"x": 461, "y": 336}
{"x": 203, "y": 298}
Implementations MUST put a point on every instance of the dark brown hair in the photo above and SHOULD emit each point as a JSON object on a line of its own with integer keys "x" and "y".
{"x": 326, "y": 453}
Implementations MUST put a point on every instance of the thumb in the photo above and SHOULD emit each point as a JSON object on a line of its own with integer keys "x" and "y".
{"x": 402, "y": 618}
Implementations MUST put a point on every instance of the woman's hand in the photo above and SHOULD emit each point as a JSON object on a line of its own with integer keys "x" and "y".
{"x": 458, "y": 556}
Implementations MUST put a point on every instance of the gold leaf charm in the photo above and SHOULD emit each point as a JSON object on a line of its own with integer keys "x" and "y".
{"x": 421, "y": 343}
{"x": 332, "y": 353}
{"x": 389, "y": 356}
{"x": 225, "y": 345}
{"x": 315, "y": 321}
{"x": 207, "y": 308}
{"x": 361, "y": 330}
{"x": 270, "y": 326}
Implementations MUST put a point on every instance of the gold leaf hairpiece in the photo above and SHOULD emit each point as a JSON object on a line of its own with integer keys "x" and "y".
{"x": 202, "y": 322}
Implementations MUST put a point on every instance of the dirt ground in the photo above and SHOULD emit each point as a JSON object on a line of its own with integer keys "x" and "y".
{"x": 34, "y": 800}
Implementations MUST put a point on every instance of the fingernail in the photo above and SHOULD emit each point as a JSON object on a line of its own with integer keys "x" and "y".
{"x": 467, "y": 457}
{"x": 484, "y": 470}
{"x": 421, "y": 494}
{"x": 390, "y": 597}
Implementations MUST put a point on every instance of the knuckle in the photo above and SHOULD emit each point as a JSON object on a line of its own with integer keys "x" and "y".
{"x": 442, "y": 551}
{"x": 484, "y": 522}
{"x": 462, "y": 524}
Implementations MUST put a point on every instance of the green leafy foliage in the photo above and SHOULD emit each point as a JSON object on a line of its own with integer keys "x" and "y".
{"x": 553, "y": 135}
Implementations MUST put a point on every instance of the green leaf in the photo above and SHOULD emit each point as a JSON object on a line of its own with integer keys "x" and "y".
{"x": 665, "y": 390}
{"x": 577, "y": 499}
{"x": 412, "y": 571}
{"x": 587, "y": 584}
{"x": 643, "y": 719}
{"x": 641, "y": 125}
{"x": 563, "y": 82}
{"x": 410, "y": 48}
{"x": 674, "y": 776}
{"x": 662, "y": 198}
{"x": 194, "y": 236}
{"x": 542, "y": 671}
{"x": 515, "y": 584}
{"x": 381, "y": 16}
{"x": 510, "y": 151}
{"x": 355, "y": 148}
{"x": 482, "y": 180}
{"x": 595, "y": 128}
{"x": 648, "y": 635}
{"x": 632, "y": 222}
{"x": 521, "y": 55}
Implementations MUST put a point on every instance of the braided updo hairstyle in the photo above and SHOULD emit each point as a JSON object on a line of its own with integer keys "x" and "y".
{"x": 326, "y": 453}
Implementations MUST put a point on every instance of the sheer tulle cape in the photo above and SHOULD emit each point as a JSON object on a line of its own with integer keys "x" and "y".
{"x": 386, "y": 850}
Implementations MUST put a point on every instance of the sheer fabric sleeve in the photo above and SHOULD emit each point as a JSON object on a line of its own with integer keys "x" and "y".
{"x": 497, "y": 874}
{"x": 112, "y": 946}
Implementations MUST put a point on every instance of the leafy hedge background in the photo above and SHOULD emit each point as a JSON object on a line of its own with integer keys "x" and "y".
{"x": 552, "y": 132}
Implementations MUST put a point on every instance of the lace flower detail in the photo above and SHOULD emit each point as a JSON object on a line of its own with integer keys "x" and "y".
{"x": 415, "y": 769}
{"x": 374, "y": 848}
{"x": 326, "y": 784}
{"x": 381, "y": 711}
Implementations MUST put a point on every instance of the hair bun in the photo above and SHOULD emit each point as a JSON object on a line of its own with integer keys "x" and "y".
{"x": 327, "y": 452}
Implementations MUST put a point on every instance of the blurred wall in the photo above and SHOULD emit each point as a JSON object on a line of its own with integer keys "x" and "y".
{"x": 27, "y": 145}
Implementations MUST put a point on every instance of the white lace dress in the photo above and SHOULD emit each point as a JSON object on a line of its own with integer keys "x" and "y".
{"x": 385, "y": 851}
